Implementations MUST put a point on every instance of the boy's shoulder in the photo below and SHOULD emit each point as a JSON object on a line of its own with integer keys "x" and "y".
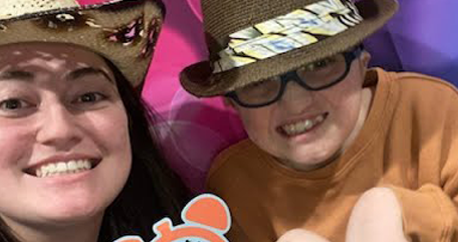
{"x": 416, "y": 91}
{"x": 419, "y": 105}
{"x": 416, "y": 82}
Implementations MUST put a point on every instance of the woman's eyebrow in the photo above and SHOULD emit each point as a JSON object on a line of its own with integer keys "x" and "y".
{"x": 17, "y": 75}
{"x": 86, "y": 71}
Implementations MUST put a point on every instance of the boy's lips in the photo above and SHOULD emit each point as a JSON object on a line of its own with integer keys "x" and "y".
{"x": 301, "y": 126}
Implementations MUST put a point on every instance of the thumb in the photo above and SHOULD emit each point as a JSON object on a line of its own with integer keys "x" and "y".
{"x": 301, "y": 235}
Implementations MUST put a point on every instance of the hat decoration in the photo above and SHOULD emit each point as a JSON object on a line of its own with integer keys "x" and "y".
{"x": 123, "y": 31}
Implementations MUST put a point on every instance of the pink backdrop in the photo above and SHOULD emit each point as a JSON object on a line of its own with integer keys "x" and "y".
{"x": 193, "y": 130}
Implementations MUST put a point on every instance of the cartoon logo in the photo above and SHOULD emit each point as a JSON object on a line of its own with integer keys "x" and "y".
{"x": 206, "y": 219}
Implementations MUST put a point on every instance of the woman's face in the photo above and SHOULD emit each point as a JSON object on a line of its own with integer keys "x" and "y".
{"x": 64, "y": 140}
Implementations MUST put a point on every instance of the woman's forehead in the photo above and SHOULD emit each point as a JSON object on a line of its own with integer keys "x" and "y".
{"x": 46, "y": 63}
{"x": 20, "y": 52}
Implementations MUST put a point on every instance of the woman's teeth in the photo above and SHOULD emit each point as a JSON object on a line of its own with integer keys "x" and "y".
{"x": 302, "y": 126}
{"x": 62, "y": 168}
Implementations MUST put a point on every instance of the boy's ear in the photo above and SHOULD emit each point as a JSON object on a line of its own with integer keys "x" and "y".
{"x": 228, "y": 102}
{"x": 365, "y": 58}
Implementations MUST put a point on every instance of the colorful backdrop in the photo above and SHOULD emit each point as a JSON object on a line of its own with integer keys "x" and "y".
{"x": 422, "y": 37}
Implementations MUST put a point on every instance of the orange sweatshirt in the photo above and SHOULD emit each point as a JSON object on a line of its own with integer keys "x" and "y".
{"x": 409, "y": 142}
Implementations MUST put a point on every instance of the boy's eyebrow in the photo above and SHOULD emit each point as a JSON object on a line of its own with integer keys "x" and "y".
{"x": 17, "y": 75}
{"x": 85, "y": 71}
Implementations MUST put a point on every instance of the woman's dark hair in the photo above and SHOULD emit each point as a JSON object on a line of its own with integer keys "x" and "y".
{"x": 152, "y": 191}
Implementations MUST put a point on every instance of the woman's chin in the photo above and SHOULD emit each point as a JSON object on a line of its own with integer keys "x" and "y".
{"x": 71, "y": 218}
{"x": 70, "y": 212}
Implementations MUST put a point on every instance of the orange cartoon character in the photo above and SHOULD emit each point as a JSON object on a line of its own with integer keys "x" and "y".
{"x": 206, "y": 219}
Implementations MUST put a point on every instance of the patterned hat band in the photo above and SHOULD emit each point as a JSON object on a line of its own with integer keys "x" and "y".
{"x": 299, "y": 28}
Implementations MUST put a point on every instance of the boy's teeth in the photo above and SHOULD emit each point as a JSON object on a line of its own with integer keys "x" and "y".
{"x": 302, "y": 126}
{"x": 61, "y": 168}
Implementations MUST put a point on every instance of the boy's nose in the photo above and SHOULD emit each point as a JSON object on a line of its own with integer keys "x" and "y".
{"x": 58, "y": 128}
{"x": 296, "y": 99}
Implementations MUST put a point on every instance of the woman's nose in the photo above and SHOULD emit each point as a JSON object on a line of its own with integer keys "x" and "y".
{"x": 59, "y": 128}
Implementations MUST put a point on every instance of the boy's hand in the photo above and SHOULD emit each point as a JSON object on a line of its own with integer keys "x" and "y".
{"x": 301, "y": 235}
{"x": 376, "y": 217}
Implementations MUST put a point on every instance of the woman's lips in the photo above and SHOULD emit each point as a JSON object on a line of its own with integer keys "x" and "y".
{"x": 62, "y": 167}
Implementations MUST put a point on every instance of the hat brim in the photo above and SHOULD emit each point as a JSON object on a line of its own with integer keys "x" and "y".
{"x": 94, "y": 28}
{"x": 199, "y": 80}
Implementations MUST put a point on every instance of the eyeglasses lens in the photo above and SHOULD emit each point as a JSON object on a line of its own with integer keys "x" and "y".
{"x": 313, "y": 76}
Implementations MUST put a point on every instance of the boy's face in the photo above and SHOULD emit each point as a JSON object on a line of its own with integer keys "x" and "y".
{"x": 333, "y": 117}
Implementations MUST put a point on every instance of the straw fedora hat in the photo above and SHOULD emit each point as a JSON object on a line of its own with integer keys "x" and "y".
{"x": 123, "y": 31}
{"x": 250, "y": 40}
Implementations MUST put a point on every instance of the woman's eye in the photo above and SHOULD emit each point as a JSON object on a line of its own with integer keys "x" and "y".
{"x": 91, "y": 97}
{"x": 13, "y": 104}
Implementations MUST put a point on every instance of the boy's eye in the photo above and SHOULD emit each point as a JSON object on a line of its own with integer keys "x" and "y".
{"x": 321, "y": 63}
{"x": 317, "y": 65}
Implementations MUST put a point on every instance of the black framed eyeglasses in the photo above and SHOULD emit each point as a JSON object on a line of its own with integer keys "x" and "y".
{"x": 316, "y": 76}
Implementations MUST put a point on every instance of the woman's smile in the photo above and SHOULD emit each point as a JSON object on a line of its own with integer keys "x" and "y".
{"x": 63, "y": 165}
